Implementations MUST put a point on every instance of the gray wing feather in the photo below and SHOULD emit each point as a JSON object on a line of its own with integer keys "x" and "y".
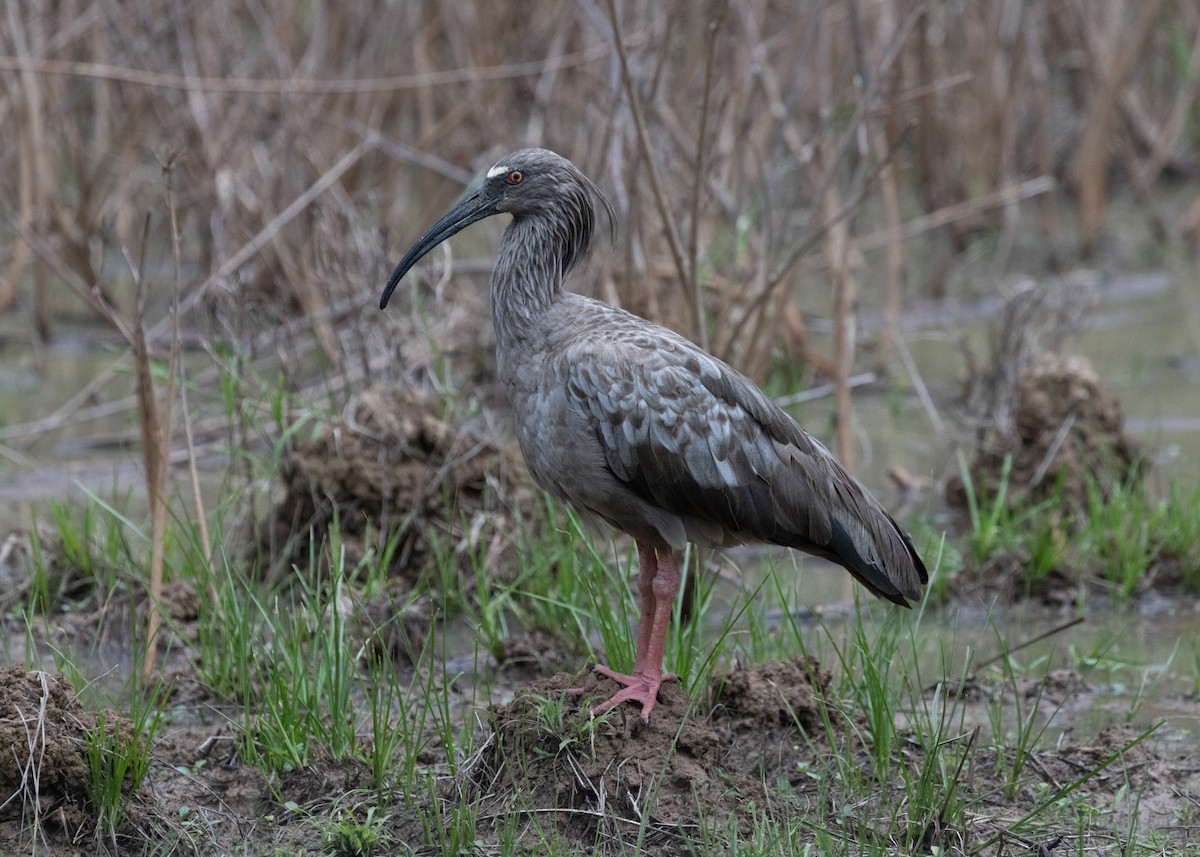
{"x": 690, "y": 435}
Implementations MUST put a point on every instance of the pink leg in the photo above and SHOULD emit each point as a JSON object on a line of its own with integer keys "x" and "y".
{"x": 658, "y": 598}
{"x": 648, "y": 561}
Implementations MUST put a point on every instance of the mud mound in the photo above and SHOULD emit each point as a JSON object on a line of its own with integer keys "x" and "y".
{"x": 592, "y": 782}
{"x": 391, "y": 462}
{"x": 43, "y": 738}
{"x": 1065, "y": 431}
{"x": 771, "y": 714}
{"x": 773, "y": 694}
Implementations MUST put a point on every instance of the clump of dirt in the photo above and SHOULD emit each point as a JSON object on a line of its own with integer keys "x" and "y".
{"x": 773, "y": 694}
{"x": 762, "y": 709}
{"x": 1065, "y": 433}
{"x": 1059, "y": 439}
{"x": 392, "y": 462}
{"x": 43, "y": 737}
{"x": 535, "y": 654}
{"x": 598, "y": 778}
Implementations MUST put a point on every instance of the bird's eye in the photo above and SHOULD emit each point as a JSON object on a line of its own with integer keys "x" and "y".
{"x": 515, "y": 177}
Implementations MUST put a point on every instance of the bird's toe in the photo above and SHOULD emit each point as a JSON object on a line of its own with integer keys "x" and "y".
{"x": 640, "y": 688}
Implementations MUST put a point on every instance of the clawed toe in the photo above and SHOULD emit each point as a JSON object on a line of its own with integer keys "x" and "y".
{"x": 639, "y": 687}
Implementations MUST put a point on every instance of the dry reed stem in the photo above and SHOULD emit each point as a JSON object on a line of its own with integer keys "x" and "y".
{"x": 193, "y": 469}
{"x": 1113, "y": 45}
{"x": 844, "y": 296}
{"x": 154, "y": 423}
{"x": 670, "y": 229}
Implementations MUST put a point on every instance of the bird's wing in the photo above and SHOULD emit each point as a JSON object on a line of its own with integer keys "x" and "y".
{"x": 691, "y": 435}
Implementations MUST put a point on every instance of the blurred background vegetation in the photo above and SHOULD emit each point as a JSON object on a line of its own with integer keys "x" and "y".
{"x": 779, "y": 170}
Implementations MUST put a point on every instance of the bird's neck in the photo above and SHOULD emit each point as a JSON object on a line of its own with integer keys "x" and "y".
{"x": 535, "y": 257}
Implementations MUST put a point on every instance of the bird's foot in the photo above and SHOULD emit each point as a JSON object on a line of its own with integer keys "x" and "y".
{"x": 639, "y": 687}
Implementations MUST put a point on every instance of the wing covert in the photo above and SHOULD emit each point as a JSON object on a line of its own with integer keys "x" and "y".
{"x": 673, "y": 433}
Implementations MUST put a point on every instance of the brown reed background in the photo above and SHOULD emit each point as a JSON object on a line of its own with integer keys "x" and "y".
{"x": 758, "y": 153}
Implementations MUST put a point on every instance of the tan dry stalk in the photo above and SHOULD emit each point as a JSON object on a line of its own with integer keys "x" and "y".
{"x": 656, "y": 185}
{"x": 837, "y": 246}
{"x": 154, "y": 423}
{"x": 193, "y": 470}
{"x": 1113, "y": 48}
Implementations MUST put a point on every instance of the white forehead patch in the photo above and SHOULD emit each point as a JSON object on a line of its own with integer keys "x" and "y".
{"x": 498, "y": 170}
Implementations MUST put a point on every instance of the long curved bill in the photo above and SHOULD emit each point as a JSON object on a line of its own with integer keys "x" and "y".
{"x": 471, "y": 209}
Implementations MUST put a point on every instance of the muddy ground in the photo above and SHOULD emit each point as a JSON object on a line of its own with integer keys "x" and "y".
{"x": 768, "y": 735}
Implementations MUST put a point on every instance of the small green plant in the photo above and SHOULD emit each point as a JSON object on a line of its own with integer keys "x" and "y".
{"x": 1046, "y": 541}
{"x": 999, "y": 527}
{"x": 118, "y": 756}
{"x": 992, "y": 530}
{"x": 117, "y": 763}
{"x": 1119, "y": 528}
{"x": 307, "y": 674}
{"x": 446, "y": 824}
{"x": 355, "y": 832}
{"x": 938, "y": 727}
{"x": 1177, "y": 531}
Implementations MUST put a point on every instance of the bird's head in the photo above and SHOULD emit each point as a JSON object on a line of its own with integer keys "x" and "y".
{"x": 526, "y": 183}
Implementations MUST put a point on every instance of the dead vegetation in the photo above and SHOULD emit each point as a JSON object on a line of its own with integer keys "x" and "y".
{"x": 733, "y": 136}
{"x": 1045, "y": 426}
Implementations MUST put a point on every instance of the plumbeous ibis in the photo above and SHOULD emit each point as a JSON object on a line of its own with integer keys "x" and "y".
{"x": 633, "y": 423}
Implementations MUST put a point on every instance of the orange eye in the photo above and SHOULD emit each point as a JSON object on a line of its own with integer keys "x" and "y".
{"x": 515, "y": 177}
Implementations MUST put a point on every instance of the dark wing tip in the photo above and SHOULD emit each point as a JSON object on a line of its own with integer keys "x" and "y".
{"x": 896, "y": 584}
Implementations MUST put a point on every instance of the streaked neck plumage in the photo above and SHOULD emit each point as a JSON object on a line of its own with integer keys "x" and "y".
{"x": 538, "y": 251}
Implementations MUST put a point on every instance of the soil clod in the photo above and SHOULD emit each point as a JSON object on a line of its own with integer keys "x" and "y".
{"x": 1066, "y": 433}
{"x": 44, "y": 733}
{"x": 391, "y": 454}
